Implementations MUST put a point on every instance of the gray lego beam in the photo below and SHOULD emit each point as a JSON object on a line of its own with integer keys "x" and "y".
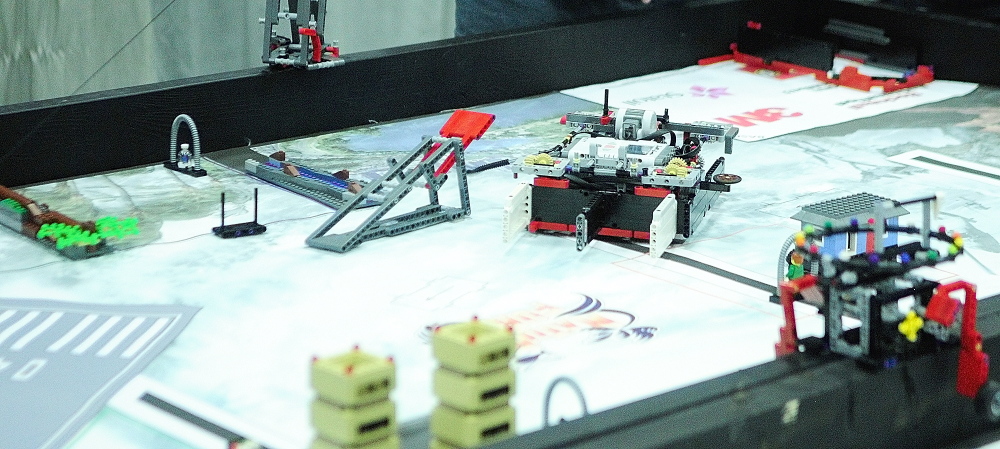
{"x": 374, "y": 226}
{"x": 727, "y": 132}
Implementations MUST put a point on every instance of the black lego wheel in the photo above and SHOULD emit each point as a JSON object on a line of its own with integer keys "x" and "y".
{"x": 988, "y": 401}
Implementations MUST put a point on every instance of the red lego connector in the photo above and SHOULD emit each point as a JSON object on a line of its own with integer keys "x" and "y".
{"x": 943, "y": 309}
{"x": 656, "y": 192}
{"x": 541, "y": 181}
{"x": 317, "y": 43}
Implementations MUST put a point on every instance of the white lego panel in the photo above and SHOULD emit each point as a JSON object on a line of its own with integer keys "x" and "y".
{"x": 663, "y": 228}
{"x": 516, "y": 212}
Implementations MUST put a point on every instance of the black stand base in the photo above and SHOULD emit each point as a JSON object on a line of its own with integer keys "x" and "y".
{"x": 196, "y": 172}
{"x": 239, "y": 230}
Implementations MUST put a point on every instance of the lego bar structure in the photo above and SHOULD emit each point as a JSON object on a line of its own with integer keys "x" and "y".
{"x": 39, "y": 137}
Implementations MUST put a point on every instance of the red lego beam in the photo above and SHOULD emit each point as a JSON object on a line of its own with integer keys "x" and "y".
{"x": 973, "y": 363}
{"x": 315, "y": 41}
{"x": 848, "y": 77}
{"x": 465, "y": 125}
{"x": 789, "y": 336}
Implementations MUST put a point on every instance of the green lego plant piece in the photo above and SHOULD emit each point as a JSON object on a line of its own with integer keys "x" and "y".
{"x": 352, "y": 426}
{"x": 50, "y": 230}
{"x": 465, "y": 430}
{"x": 78, "y": 237}
{"x": 108, "y": 227}
{"x": 354, "y": 378}
{"x": 474, "y": 347}
{"x": 474, "y": 393}
{"x": 9, "y": 203}
{"x": 66, "y": 236}
{"x": 391, "y": 442}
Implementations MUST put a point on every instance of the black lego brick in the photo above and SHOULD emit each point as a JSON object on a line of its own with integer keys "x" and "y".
{"x": 627, "y": 211}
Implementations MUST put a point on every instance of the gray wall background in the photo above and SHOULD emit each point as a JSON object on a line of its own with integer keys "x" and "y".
{"x": 55, "y": 48}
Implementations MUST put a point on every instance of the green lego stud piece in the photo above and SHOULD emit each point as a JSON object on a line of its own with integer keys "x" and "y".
{"x": 474, "y": 347}
{"x": 14, "y": 206}
{"x": 467, "y": 430}
{"x": 353, "y": 426}
{"x": 353, "y": 379}
{"x": 392, "y": 442}
{"x": 474, "y": 393}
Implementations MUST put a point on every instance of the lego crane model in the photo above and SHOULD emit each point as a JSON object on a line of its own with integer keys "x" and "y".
{"x": 622, "y": 174}
{"x": 305, "y": 47}
{"x": 880, "y": 313}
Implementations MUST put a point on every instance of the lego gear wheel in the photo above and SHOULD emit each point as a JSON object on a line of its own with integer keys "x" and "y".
{"x": 727, "y": 178}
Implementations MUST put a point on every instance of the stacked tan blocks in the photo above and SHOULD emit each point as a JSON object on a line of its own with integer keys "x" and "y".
{"x": 352, "y": 409}
{"x": 474, "y": 384}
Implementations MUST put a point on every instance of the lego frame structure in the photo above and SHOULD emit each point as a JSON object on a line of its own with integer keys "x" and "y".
{"x": 304, "y": 47}
{"x": 53, "y": 139}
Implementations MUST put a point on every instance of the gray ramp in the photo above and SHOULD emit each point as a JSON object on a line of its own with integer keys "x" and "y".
{"x": 61, "y": 361}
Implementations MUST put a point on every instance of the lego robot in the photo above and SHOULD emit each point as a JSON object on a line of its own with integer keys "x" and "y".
{"x": 630, "y": 173}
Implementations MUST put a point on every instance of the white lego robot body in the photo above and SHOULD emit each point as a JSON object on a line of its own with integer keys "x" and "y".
{"x": 607, "y": 155}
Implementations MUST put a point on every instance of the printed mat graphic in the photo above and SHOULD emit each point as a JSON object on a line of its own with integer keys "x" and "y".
{"x": 61, "y": 361}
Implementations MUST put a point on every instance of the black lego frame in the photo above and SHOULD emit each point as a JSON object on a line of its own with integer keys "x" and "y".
{"x": 76, "y": 136}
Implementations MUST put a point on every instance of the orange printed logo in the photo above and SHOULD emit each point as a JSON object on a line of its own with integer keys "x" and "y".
{"x": 545, "y": 325}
